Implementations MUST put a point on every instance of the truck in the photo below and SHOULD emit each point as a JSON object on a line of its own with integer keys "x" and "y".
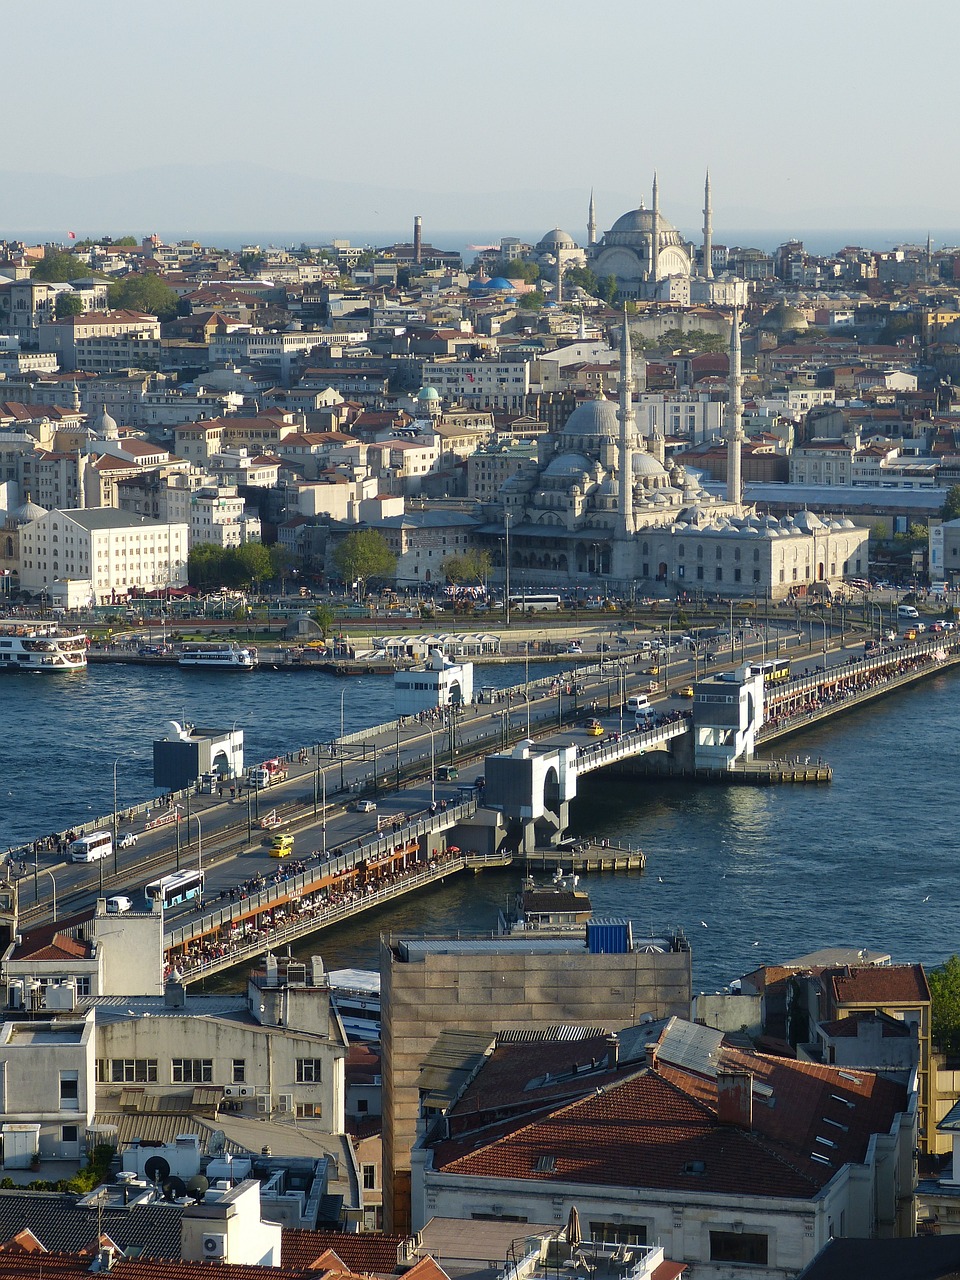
{"x": 267, "y": 773}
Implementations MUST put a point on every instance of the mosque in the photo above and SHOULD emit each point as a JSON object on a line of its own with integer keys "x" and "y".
{"x": 574, "y": 519}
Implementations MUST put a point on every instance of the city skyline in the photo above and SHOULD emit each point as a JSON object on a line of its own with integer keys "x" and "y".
{"x": 305, "y": 128}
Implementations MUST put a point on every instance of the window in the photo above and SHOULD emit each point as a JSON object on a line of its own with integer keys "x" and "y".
{"x": 70, "y": 1133}
{"x": 69, "y": 1091}
{"x": 308, "y": 1110}
{"x": 192, "y": 1070}
{"x": 369, "y": 1177}
{"x": 618, "y": 1232}
{"x": 309, "y": 1070}
{"x": 738, "y": 1246}
{"x": 239, "y": 1070}
{"x": 133, "y": 1070}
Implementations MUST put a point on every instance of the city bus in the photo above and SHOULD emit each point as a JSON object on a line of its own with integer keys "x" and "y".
{"x": 535, "y": 602}
{"x": 91, "y": 848}
{"x": 176, "y": 888}
{"x": 773, "y": 672}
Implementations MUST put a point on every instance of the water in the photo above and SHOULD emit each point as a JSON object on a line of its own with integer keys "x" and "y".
{"x": 771, "y": 872}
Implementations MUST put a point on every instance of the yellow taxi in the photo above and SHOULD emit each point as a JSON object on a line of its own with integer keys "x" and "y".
{"x": 281, "y": 846}
{"x": 594, "y": 728}
{"x": 685, "y": 691}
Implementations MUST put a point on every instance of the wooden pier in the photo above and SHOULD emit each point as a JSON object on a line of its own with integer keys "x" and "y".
{"x": 585, "y": 855}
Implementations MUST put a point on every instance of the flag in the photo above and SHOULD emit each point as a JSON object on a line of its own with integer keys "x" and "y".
{"x": 72, "y": 235}
{"x": 470, "y": 377}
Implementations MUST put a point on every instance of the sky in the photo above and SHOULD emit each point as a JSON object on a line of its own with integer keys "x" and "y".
{"x": 318, "y": 118}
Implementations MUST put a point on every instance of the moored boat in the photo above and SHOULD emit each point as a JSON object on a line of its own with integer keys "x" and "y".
{"x": 40, "y": 646}
{"x": 223, "y": 656}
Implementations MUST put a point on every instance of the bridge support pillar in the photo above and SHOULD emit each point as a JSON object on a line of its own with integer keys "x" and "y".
{"x": 532, "y": 787}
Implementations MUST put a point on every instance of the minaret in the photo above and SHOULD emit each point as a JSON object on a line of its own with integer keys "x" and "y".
{"x": 734, "y": 415}
{"x": 627, "y": 432}
{"x": 707, "y": 231}
{"x": 558, "y": 292}
{"x": 655, "y": 233}
{"x": 81, "y": 479}
{"x": 592, "y": 220}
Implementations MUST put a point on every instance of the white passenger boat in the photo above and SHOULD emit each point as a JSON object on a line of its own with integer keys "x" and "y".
{"x": 226, "y": 656}
{"x": 356, "y": 995}
{"x": 40, "y": 646}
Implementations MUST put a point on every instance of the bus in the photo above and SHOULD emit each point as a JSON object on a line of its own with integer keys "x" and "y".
{"x": 176, "y": 888}
{"x": 535, "y": 602}
{"x": 774, "y": 672}
{"x": 91, "y": 848}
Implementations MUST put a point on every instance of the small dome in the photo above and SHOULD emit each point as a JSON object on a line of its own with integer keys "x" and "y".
{"x": 29, "y": 511}
{"x": 478, "y": 284}
{"x": 107, "y": 427}
{"x": 500, "y": 284}
{"x": 428, "y": 393}
{"x": 784, "y": 318}
{"x": 556, "y": 239}
{"x": 645, "y": 464}
{"x": 567, "y": 466}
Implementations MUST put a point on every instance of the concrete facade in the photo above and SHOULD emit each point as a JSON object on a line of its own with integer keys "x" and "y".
{"x": 510, "y": 983}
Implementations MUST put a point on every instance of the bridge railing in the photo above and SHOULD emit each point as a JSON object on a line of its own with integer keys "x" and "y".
{"x": 309, "y": 881}
{"x": 629, "y": 744}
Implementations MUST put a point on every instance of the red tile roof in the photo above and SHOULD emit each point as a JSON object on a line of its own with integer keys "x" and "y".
{"x": 366, "y": 1252}
{"x": 881, "y": 984}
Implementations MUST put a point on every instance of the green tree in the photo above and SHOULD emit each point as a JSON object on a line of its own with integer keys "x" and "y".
{"x": 513, "y": 270}
{"x": 57, "y": 267}
{"x": 582, "y": 278}
{"x": 324, "y": 617}
{"x": 473, "y": 566}
{"x": 281, "y": 560}
{"x": 250, "y": 262}
{"x": 532, "y": 301}
{"x": 951, "y": 504}
{"x": 68, "y": 304}
{"x": 144, "y": 293}
{"x": 362, "y": 556}
{"x": 249, "y": 565}
{"x": 608, "y": 288}
{"x": 205, "y": 566}
{"x": 945, "y": 992}
{"x": 126, "y": 242}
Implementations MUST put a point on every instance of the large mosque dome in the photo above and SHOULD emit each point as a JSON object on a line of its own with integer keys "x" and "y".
{"x": 593, "y": 418}
{"x": 556, "y": 239}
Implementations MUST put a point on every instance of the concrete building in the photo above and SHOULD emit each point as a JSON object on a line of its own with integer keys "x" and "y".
{"x": 64, "y": 337}
{"x": 507, "y": 983}
{"x": 480, "y": 384}
{"x": 735, "y": 1162}
{"x": 438, "y": 683}
{"x": 111, "y": 550}
{"x": 218, "y": 515}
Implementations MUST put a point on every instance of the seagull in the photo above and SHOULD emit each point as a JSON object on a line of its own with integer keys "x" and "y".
{"x": 927, "y": 898}
{"x": 756, "y": 944}
{"x": 704, "y": 923}
{"x": 660, "y": 879}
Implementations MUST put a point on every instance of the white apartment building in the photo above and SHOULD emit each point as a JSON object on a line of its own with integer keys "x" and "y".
{"x": 822, "y": 462}
{"x": 48, "y": 1099}
{"x": 218, "y": 515}
{"x": 692, "y": 416}
{"x": 68, "y": 337}
{"x": 111, "y": 550}
{"x": 480, "y": 384}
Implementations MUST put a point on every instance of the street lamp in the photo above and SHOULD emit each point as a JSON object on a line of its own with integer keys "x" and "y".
{"x": 343, "y": 694}
{"x": 54, "y": 883}
{"x": 199, "y": 844}
{"x": 433, "y": 769}
{"x": 115, "y": 834}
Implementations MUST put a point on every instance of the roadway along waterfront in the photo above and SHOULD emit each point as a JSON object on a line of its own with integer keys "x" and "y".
{"x": 751, "y": 865}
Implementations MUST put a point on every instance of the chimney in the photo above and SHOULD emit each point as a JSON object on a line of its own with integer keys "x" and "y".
{"x": 613, "y": 1051}
{"x": 417, "y": 239}
{"x": 652, "y": 1052}
{"x": 735, "y": 1098}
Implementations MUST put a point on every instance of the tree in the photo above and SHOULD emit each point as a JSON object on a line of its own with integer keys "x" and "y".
{"x": 126, "y": 242}
{"x": 364, "y": 555}
{"x": 513, "y": 270}
{"x": 68, "y": 304}
{"x": 472, "y": 566}
{"x": 250, "y": 564}
{"x": 205, "y": 567}
{"x": 144, "y": 293}
{"x": 324, "y": 617}
{"x": 608, "y": 288}
{"x": 951, "y": 504}
{"x": 945, "y": 992}
{"x": 250, "y": 262}
{"x": 532, "y": 301}
{"x": 57, "y": 267}
{"x": 582, "y": 278}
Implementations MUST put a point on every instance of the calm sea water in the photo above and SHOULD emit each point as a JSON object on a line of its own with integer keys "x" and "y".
{"x": 750, "y": 874}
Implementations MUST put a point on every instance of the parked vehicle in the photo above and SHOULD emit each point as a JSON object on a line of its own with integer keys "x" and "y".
{"x": 127, "y": 840}
{"x": 117, "y": 905}
{"x": 363, "y": 806}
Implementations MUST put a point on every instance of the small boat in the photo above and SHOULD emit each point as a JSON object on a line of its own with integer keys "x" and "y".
{"x": 40, "y": 647}
{"x": 225, "y": 656}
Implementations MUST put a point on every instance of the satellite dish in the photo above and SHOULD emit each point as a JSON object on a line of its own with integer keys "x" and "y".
{"x": 156, "y": 1169}
{"x": 174, "y": 1189}
{"x": 216, "y": 1143}
{"x": 197, "y": 1186}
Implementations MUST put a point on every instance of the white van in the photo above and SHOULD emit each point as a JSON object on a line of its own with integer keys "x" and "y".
{"x": 119, "y": 905}
{"x": 639, "y": 704}
{"x": 907, "y": 611}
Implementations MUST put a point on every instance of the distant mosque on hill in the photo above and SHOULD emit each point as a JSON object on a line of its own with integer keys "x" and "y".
{"x": 600, "y": 508}
{"x": 648, "y": 257}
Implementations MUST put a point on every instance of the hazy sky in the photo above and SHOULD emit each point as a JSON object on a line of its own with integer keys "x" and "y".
{"x": 313, "y": 116}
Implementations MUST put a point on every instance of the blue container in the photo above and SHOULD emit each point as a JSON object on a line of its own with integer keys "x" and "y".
{"x": 608, "y": 937}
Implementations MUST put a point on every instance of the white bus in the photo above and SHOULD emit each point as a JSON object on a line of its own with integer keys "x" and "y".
{"x": 535, "y": 602}
{"x": 176, "y": 888}
{"x": 91, "y": 848}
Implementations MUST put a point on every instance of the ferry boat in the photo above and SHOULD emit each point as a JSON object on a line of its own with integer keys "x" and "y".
{"x": 226, "y": 656}
{"x": 356, "y": 995}
{"x": 40, "y": 646}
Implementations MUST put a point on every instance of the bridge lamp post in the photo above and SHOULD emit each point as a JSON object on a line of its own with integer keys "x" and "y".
{"x": 343, "y": 694}
{"x": 621, "y": 673}
{"x": 879, "y": 609}
{"x": 433, "y": 770}
{"x": 823, "y": 623}
{"x": 196, "y": 818}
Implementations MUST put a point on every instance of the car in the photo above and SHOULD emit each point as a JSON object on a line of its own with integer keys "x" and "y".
{"x": 448, "y": 773}
{"x": 127, "y": 840}
{"x": 119, "y": 904}
{"x": 281, "y": 846}
{"x": 685, "y": 691}
{"x": 594, "y": 728}
{"x": 364, "y": 806}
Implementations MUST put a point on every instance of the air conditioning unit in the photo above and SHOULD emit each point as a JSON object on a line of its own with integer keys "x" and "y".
{"x": 285, "y": 1102}
{"x": 244, "y": 1091}
{"x": 263, "y": 1102}
{"x": 214, "y": 1245}
{"x": 230, "y": 1091}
